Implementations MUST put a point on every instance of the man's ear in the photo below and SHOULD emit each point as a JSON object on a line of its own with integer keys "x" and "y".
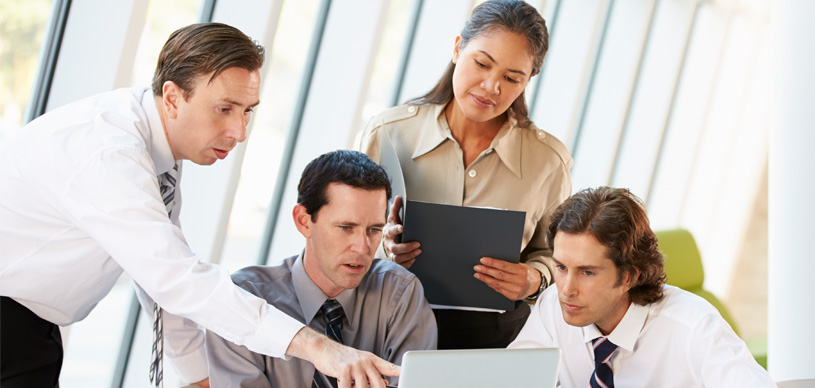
{"x": 171, "y": 95}
{"x": 456, "y": 49}
{"x": 630, "y": 279}
{"x": 302, "y": 220}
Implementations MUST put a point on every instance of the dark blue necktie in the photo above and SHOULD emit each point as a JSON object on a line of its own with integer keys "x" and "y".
{"x": 332, "y": 310}
{"x": 603, "y": 376}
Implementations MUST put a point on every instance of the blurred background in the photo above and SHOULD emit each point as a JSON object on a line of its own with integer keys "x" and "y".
{"x": 666, "y": 97}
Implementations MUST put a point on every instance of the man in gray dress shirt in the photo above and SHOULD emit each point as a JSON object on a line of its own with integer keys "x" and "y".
{"x": 342, "y": 199}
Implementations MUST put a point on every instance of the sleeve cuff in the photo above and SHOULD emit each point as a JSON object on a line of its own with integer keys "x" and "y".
{"x": 191, "y": 367}
{"x": 546, "y": 273}
{"x": 274, "y": 334}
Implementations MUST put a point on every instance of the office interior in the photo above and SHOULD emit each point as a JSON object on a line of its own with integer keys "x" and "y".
{"x": 700, "y": 107}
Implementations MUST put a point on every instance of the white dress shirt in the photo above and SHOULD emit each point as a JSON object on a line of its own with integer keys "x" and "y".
{"x": 80, "y": 203}
{"x": 679, "y": 341}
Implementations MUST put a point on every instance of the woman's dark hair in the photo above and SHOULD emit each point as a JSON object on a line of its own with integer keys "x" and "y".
{"x": 203, "y": 48}
{"x": 352, "y": 168}
{"x": 514, "y": 16}
{"x": 617, "y": 219}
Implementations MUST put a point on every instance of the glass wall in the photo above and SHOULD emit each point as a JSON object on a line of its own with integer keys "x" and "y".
{"x": 662, "y": 96}
{"x": 285, "y": 65}
{"x": 23, "y": 24}
{"x": 93, "y": 345}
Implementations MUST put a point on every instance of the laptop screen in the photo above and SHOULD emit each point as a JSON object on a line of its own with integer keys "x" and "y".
{"x": 480, "y": 368}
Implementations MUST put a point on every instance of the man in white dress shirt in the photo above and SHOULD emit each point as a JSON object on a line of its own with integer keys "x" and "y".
{"x": 612, "y": 315}
{"x": 81, "y": 202}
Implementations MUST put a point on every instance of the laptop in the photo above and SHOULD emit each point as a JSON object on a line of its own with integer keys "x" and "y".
{"x": 480, "y": 368}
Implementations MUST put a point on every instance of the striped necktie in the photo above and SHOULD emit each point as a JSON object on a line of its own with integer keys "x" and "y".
{"x": 332, "y": 310}
{"x": 167, "y": 182}
{"x": 603, "y": 376}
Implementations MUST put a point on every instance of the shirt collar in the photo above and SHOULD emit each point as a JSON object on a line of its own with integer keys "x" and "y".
{"x": 160, "y": 150}
{"x": 311, "y": 297}
{"x": 433, "y": 132}
{"x": 506, "y": 144}
{"x": 627, "y": 331}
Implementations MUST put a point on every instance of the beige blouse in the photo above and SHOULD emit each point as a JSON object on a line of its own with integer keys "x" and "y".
{"x": 524, "y": 169}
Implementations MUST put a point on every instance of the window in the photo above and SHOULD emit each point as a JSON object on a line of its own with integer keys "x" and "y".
{"x": 22, "y": 31}
{"x": 285, "y": 64}
{"x": 92, "y": 346}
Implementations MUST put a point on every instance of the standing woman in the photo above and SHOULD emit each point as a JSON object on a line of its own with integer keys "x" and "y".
{"x": 470, "y": 142}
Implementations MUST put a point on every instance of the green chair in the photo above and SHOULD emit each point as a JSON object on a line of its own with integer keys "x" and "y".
{"x": 683, "y": 265}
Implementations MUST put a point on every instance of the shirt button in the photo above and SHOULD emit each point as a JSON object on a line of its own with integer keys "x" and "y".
{"x": 472, "y": 173}
{"x": 541, "y": 134}
{"x": 411, "y": 108}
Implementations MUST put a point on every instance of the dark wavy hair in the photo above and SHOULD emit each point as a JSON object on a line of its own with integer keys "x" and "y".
{"x": 203, "y": 48}
{"x": 351, "y": 168}
{"x": 514, "y": 16}
{"x": 617, "y": 219}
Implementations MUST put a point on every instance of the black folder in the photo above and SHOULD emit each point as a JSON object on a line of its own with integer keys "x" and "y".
{"x": 454, "y": 239}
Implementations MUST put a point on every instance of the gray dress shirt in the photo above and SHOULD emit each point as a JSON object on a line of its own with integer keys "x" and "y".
{"x": 387, "y": 314}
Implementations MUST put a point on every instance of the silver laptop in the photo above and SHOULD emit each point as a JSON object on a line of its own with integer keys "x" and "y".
{"x": 480, "y": 368}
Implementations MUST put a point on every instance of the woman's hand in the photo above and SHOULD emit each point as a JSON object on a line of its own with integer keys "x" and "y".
{"x": 514, "y": 281}
{"x": 403, "y": 254}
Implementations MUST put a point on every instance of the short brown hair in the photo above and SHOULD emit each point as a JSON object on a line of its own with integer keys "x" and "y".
{"x": 203, "y": 48}
{"x": 352, "y": 168}
{"x": 617, "y": 219}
